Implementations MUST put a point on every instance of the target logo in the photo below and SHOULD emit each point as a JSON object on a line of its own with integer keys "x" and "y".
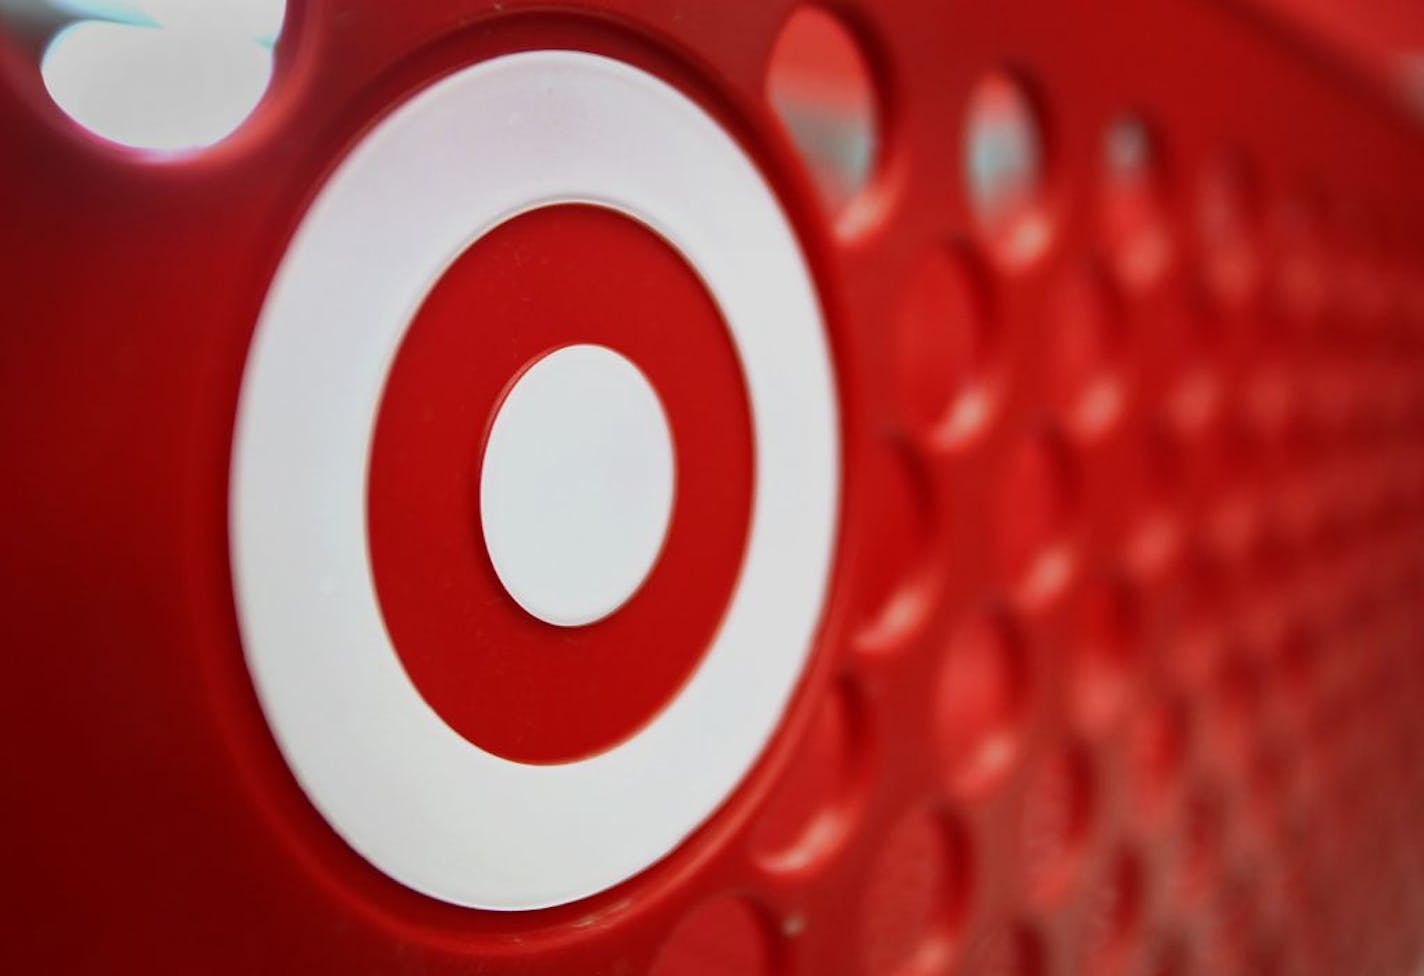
{"x": 535, "y": 481}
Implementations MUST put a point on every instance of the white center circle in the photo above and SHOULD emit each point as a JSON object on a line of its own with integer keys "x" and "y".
{"x": 577, "y": 484}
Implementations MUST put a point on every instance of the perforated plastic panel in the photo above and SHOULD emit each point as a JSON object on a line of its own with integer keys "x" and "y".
{"x": 1099, "y": 381}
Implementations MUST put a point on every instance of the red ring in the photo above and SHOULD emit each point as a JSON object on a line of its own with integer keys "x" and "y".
{"x": 510, "y": 683}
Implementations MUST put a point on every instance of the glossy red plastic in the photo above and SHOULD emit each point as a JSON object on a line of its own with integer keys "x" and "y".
{"x": 1120, "y": 670}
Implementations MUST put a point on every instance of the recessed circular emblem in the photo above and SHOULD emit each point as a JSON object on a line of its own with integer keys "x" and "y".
{"x": 466, "y": 553}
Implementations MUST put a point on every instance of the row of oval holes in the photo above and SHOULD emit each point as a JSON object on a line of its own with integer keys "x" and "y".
{"x": 822, "y": 88}
{"x": 170, "y": 76}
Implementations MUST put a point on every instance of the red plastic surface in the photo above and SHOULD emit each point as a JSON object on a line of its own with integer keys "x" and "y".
{"x": 1121, "y": 667}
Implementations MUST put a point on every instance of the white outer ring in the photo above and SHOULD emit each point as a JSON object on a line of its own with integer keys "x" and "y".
{"x": 404, "y": 789}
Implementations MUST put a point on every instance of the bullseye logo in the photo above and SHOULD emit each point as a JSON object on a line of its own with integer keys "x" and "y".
{"x": 535, "y": 481}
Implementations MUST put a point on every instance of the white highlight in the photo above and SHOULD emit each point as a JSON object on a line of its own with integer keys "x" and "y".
{"x": 577, "y": 485}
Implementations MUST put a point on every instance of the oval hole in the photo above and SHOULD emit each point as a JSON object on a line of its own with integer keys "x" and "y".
{"x": 820, "y": 87}
{"x": 162, "y": 75}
